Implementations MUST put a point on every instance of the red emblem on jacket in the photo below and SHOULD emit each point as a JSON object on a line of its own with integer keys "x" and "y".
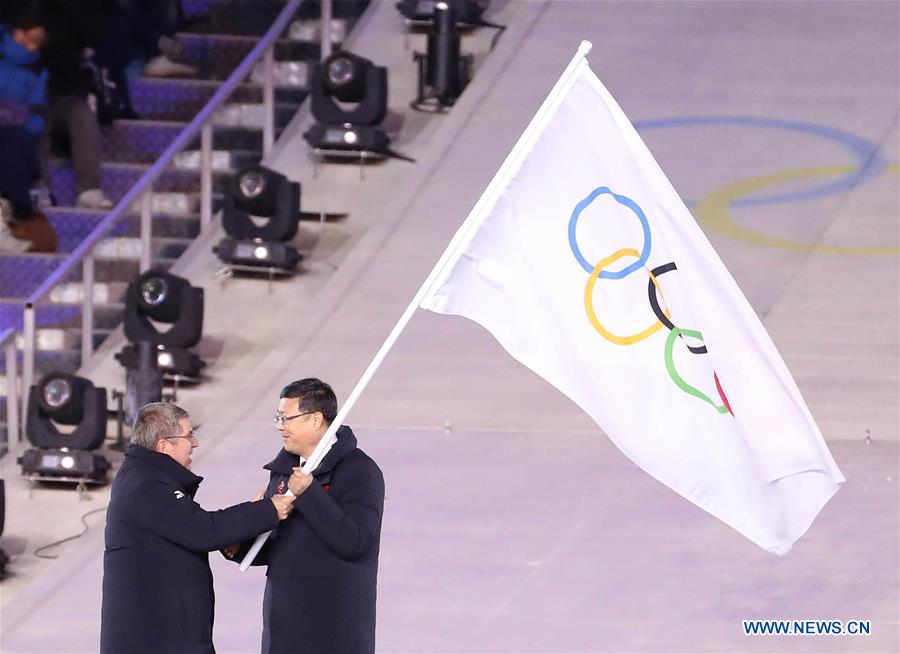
{"x": 280, "y": 488}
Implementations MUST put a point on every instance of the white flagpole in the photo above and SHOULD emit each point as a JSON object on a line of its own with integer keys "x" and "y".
{"x": 476, "y": 216}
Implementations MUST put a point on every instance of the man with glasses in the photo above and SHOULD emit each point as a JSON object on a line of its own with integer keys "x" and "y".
{"x": 157, "y": 584}
{"x": 323, "y": 560}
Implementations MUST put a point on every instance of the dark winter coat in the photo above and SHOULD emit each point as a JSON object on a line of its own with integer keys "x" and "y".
{"x": 323, "y": 559}
{"x": 157, "y": 586}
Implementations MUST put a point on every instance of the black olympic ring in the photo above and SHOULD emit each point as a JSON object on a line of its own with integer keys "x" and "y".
{"x": 654, "y": 302}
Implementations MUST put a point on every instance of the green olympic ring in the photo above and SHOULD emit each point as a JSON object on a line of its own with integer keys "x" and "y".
{"x": 683, "y": 385}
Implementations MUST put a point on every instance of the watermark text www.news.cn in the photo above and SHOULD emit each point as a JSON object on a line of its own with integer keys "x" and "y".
{"x": 807, "y": 627}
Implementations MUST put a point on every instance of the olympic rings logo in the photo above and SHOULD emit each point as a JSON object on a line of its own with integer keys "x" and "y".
{"x": 654, "y": 292}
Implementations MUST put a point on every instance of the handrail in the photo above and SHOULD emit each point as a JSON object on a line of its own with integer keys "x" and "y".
{"x": 8, "y": 345}
{"x": 105, "y": 225}
{"x": 6, "y": 334}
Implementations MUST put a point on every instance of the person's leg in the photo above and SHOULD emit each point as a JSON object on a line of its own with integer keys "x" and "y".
{"x": 84, "y": 135}
{"x": 45, "y": 148}
{"x": 48, "y": 144}
{"x": 22, "y": 227}
{"x": 18, "y": 164}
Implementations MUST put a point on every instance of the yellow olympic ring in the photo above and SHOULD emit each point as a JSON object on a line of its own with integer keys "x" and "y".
{"x": 589, "y": 301}
{"x": 713, "y": 211}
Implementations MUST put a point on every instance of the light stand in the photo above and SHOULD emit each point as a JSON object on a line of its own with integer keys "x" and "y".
{"x": 442, "y": 72}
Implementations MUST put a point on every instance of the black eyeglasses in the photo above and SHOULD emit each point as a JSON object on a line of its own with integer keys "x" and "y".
{"x": 280, "y": 418}
{"x": 192, "y": 435}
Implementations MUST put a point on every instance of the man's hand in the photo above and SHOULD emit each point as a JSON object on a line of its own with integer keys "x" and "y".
{"x": 283, "y": 504}
{"x": 299, "y": 481}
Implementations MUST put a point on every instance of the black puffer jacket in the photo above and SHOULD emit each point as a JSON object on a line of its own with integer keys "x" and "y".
{"x": 323, "y": 559}
{"x": 157, "y": 585}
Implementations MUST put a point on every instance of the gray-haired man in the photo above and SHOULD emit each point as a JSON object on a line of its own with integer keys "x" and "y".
{"x": 157, "y": 584}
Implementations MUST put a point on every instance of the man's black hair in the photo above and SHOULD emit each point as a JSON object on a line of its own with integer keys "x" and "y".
{"x": 29, "y": 16}
{"x": 314, "y": 395}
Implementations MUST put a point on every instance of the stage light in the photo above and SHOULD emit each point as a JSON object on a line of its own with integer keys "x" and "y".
{"x": 349, "y": 78}
{"x": 258, "y": 254}
{"x": 347, "y": 137}
{"x": 61, "y": 399}
{"x": 346, "y": 76}
{"x": 263, "y": 192}
{"x": 161, "y": 297}
{"x": 260, "y": 214}
{"x": 468, "y": 12}
{"x": 348, "y": 98}
{"x": 443, "y": 72}
{"x": 165, "y": 359}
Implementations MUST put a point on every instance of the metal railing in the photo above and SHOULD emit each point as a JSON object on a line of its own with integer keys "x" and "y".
{"x": 83, "y": 255}
{"x": 8, "y": 347}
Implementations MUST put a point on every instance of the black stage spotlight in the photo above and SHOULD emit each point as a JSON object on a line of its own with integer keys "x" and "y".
{"x": 468, "y": 12}
{"x": 347, "y": 79}
{"x": 64, "y": 399}
{"x": 347, "y": 137}
{"x": 161, "y": 297}
{"x": 260, "y": 215}
{"x": 443, "y": 72}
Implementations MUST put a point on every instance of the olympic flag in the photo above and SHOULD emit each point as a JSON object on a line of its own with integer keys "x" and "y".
{"x": 583, "y": 262}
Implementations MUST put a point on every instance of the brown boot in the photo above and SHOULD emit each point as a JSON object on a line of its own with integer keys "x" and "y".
{"x": 37, "y": 230}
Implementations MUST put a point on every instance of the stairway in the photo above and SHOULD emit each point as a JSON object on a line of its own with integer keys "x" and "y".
{"x": 220, "y": 34}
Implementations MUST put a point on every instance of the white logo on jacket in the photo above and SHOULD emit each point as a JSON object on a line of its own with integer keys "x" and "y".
{"x": 178, "y": 495}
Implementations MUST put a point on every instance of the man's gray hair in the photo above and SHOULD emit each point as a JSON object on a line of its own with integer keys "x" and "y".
{"x": 156, "y": 421}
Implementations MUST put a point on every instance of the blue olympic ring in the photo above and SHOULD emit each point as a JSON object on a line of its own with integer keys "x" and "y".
{"x": 867, "y": 154}
{"x": 621, "y": 199}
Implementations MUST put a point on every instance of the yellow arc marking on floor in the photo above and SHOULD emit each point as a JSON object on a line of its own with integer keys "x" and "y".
{"x": 713, "y": 211}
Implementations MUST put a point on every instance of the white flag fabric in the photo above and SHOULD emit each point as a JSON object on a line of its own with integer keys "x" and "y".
{"x": 587, "y": 267}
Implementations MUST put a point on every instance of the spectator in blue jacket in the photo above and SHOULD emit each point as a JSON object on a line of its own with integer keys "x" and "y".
{"x": 23, "y": 101}
{"x": 23, "y": 77}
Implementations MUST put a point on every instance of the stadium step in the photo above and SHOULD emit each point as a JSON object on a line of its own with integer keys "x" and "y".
{"x": 181, "y": 99}
{"x": 116, "y": 179}
{"x": 143, "y": 141}
{"x": 22, "y": 274}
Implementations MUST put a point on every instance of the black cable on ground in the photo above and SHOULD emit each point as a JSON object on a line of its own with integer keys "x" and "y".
{"x": 66, "y": 540}
{"x": 486, "y": 23}
{"x": 396, "y": 155}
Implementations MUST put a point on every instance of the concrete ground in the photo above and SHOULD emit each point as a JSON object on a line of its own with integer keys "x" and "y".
{"x": 512, "y": 524}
